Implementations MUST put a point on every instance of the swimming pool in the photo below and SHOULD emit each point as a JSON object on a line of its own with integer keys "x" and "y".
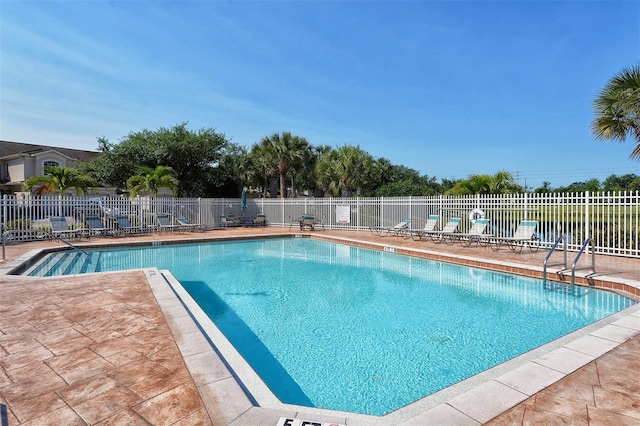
{"x": 364, "y": 331}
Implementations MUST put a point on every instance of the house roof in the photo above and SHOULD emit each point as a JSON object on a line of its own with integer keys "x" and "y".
{"x": 15, "y": 148}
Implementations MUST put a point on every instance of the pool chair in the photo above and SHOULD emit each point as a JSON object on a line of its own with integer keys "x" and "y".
{"x": 475, "y": 235}
{"x": 235, "y": 221}
{"x": 126, "y": 228}
{"x": 319, "y": 223}
{"x": 227, "y": 221}
{"x": 429, "y": 226}
{"x": 447, "y": 234}
{"x": 186, "y": 224}
{"x": 60, "y": 228}
{"x": 307, "y": 221}
{"x": 397, "y": 229}
{"x": 166, "y": 224}
{"x": 294, "y": 222}
{"x": 259, "y": 220}
{"x": 95, "y": 227}
{"x": 524, "y": 236}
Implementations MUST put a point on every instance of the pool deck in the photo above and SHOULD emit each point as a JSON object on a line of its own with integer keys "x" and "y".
{"x": 120, "y": 348}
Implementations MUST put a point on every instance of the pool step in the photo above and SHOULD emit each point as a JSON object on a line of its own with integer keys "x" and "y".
{"x": 565, "y": 288}
{"x": 67, "y": 263}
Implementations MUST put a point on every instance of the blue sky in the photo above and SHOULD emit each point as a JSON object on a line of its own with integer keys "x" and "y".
{"x": 449, "y": 88}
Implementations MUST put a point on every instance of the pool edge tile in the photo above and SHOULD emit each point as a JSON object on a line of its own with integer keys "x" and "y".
{"x": 530, "y": 378}
{"x": 488, "y": 400}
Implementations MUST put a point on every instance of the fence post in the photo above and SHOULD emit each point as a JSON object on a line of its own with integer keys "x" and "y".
{"x": 410, "y": 207}
{"x": 586, "y": 215}
{"x": 331, "y": 209}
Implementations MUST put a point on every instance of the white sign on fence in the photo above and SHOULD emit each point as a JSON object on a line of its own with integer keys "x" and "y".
{"x": 343, "y": 214}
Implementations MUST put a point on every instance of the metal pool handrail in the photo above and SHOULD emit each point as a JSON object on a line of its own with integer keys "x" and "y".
{"x": 546, "y": 260}
{"x": 593, "y": 261}
{"x": 50, "y": 234}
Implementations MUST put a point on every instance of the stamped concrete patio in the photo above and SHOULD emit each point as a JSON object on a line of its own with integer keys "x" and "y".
{"x": 120, "y": 348}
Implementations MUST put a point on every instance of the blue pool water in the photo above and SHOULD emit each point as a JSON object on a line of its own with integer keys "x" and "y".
{"x": 345, "y": 328}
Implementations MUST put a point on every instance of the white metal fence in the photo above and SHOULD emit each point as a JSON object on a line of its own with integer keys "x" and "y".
{"x": 612, "y": 220}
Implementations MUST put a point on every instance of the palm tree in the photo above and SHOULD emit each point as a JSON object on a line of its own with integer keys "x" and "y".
{"x": 289, "y": 152}
{"x": 345, "y": 171}
{"x": 617, "y": 109}
{"x": 503, "y": 183}
{"x": 500, "y": 183}
{"x": 265, "y": 165}
{"x": 59, "y": 179}
{"x": 474, "y": 184}
{"x": 151, "y": 180}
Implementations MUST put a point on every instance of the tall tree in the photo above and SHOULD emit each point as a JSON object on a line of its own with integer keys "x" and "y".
{"x": 231, "y": 173}
{"x": 626, "y": 182}
{"x": 544, "y": 189}
{"x": 289, "y": 152}
{"x": 192, "y": 155}
{"x": 617, "y": 109}
{"x": 265, "y": 169}
{"x": 59, "y": 179}
{"x": 346, "y": 171}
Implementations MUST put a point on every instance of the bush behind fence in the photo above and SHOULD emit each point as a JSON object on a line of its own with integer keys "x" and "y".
{"x": 612, "y": 220}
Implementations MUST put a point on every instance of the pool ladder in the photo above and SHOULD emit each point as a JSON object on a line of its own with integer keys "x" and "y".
{"x": 574, "y": 267}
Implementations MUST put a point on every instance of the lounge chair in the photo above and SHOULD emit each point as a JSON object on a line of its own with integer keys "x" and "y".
{"x": 60, "y": 228}
{"x": 307, "y": 221}
{"x": 260, "y": 220}
{"x": 95, "y": 227}
{"x": 397, "y": 229}
{"x": 304, "y": 221}
{"x": 524, "y": 235}
{"x": 228, "y": 221}
{"x": 126, "y": 228}
{"x": 165, "y": 223}
{"x": 429, "y": 226}
{"x": 186, "y": 224}
{"x": 476, "y": 234}
{"x": 447, "y": 234}
{"x": 319, "y": 223}
{"x": 294, "y": 222}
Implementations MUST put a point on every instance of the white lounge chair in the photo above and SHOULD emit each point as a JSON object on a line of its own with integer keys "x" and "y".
{"x": 259, "y": 220}
{"x": 447, "y": 234}
{"x": 227, "y": 221}
{"x": 307, "y": 221}
{"x": 186, "y": 224}
{"x": 524, "y": 235}
{"x": 476, "y": 234}
{"x": 398, "y": 229}
{"x": 165, "y": 223}
{"x": 429, "y": 226}
{"x": 319, "y": 223}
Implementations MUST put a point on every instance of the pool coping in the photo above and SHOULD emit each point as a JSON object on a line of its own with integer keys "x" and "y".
{"x": 473, "y": 401}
